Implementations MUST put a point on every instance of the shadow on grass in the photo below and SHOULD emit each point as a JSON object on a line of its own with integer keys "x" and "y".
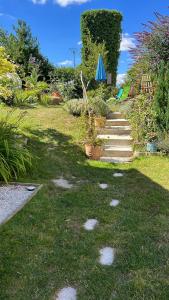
{"x": 44, "y": 247}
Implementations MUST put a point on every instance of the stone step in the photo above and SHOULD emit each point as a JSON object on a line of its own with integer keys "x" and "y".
{"x": 117, "y": 122}
{"x": 117, "y": 151}
{"x": 116, "y": 160}
{"x": 115, "y": 115}
{"x": 116, "y": 130}
{"x": 115, "y": 140}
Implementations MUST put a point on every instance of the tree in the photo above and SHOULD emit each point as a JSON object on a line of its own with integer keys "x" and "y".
{"x": 22, "y": 47}
{"x": 89, "y": 66}
{"x": 104, "y": 27}
{"x": 153, "y": 42}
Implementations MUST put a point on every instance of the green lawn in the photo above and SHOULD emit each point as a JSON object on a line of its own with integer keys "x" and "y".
{"x": 45, "y": 248}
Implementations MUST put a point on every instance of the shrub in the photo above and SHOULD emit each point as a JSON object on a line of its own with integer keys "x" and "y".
{"x": 67, "y": 78}
{"x": 45, "y": 99}
{"x": 142, "y": 119}
{"x": 163, "y": 143}
{"x": 76, "y": 107}
{"x": 66, "y": 89}
{"x": 161, "y": 98}
{"x": 98, "y": 106}
{"x": 15, "y": 158}
{"x": 25, "y": 97}
{"x": 101, "y": 31}
{"x": 6, "y": 95}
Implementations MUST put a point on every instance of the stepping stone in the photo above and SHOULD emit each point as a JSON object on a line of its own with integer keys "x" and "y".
{"x": 114, "y": 202}
{"x": 90, "y": 224}
{"x": 103, "y": 186}
{"x": 107, "y": 255}
{"x": 63, "y": 183}
{"x": 118, "y": 175}
{"x": 67, "y": 293}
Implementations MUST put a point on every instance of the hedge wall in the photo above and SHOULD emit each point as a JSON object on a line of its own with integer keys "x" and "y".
{"x": 103, "y": 26}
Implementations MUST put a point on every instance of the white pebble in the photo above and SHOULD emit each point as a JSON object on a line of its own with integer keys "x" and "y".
{"x": 103, "y": 186}
{"x": 118, "y": 174}
{"x": 90, "y": 224}
{"x": 67, "y": 293}
{"x": 107, "y": 256}
{"x": 62, "y": 183}
{"x": 114, "y": 202}
{"x": 31, "y": 188}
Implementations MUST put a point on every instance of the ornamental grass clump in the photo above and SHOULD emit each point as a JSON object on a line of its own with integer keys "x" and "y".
{"x": 15, "y": 158}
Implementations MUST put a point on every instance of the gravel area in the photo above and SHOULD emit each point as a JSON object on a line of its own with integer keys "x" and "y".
{"x": 13, "y": 198}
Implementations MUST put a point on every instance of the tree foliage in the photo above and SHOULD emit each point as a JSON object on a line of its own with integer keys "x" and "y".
{"x": 153, "y": 42}
{"x": 23, "y": 48}
{"x": 5, "y": 65}
{"x": 161, "y": 99}
{"x": 89, "y": 65}
{"x": 6, "y": 68}
{"x": 104, "y": 27}
{"x": 67, "y": 82}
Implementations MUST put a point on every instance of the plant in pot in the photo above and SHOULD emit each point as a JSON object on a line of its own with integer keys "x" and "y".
{"x": 100, "y": 110}
{"x": 151, "y": 145}
{"x": 93, "y": 145}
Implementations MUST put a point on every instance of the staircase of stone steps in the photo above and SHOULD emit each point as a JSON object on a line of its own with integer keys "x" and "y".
{"x": 117, "y": 139}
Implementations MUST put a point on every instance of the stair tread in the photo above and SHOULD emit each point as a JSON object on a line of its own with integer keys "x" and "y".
{"x": 116, "y": 159}
{"x": 116, "y": 133}
{"x": 118, "y": 148}
{"x": 116, "y": 113}
{"x": 118, "y": 126}
{"x": 116, "y": 120}
{"x": 115, "y": 137}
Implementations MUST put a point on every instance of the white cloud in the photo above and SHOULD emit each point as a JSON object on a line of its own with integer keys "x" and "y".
{"x": 79, "y": 43}
{"x": 39, "y": 1}
{"x": 7, "y": 16}
{"x": 62, "y": 3}
{"x": 65, "y": 3}
{"x": 65, "y": 63}
{"x": 127, "y": 42}
{"x": 121, "y": 78}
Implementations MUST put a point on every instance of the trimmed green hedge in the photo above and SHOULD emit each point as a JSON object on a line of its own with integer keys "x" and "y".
{"x": 103, "y": 26}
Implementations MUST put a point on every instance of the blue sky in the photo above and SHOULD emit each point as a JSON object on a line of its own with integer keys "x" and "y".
{"x": 56, "y": 23}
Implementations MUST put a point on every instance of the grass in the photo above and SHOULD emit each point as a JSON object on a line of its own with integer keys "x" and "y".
{"x": 45, "y": 248}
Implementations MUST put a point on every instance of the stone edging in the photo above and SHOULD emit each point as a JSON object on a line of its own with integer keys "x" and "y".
{"x": 38, "y": 188}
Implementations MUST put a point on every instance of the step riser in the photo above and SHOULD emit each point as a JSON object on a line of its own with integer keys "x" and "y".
{"x": 117, "y": 142}
{"x": 117, "y": 123}
{"x": 116, "y": 153}
{"x": 116, "y": 131}
{"x": 115, "y": 116}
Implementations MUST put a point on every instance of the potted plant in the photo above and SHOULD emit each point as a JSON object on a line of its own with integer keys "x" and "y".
{"x": 151, "y": 145}
{"x": 93, "y": 145}
{"x": 93, "y": 148}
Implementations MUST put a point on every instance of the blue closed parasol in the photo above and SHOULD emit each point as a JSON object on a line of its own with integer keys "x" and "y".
{"x": 100, "y": 72}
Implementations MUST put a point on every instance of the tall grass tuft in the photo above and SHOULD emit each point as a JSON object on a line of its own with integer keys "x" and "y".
{"x": 15, "y": 158}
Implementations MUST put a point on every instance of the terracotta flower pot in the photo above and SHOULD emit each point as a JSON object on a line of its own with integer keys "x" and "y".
{"x": 99, "y": 122}
{"x": 89, "y": 150}
{"x": 93, "y": 152}
{"x": 56, "y": 98}
{"x": 97, "y": 152}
